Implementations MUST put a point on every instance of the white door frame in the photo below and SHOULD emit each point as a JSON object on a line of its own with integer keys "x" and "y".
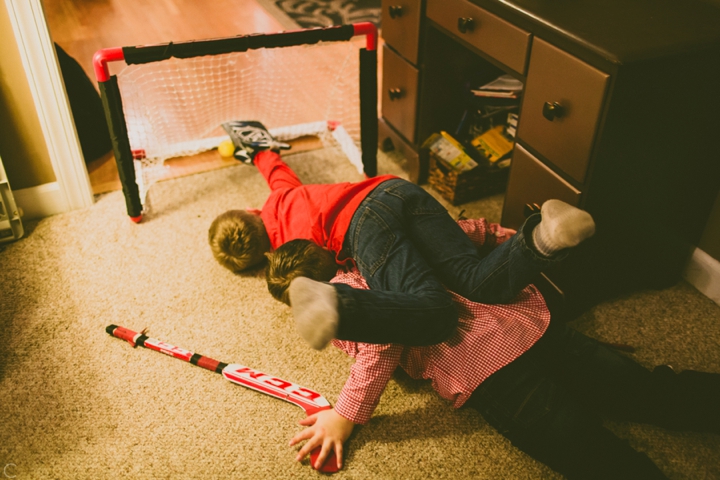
{"x": 37, "y": 52}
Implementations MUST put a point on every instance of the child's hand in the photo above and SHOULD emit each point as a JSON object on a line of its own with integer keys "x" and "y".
{"x": 326, "y": 429}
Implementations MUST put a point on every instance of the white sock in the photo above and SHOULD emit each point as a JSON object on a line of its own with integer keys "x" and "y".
{"x": 315, "y": 308}
{"x": 562, "y": 226}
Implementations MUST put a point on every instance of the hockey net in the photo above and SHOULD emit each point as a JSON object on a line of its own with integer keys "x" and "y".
{"x": 174, "y": 107}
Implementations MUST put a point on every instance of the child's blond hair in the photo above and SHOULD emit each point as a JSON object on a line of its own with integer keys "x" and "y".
{"x": 297, "y": 258}
{"x": 238, "y": 239}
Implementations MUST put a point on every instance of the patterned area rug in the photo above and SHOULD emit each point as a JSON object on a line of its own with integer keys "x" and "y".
{"x": 324, "y": 13}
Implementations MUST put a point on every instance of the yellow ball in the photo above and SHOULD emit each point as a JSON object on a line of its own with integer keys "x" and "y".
{"x": 226, "y": 148}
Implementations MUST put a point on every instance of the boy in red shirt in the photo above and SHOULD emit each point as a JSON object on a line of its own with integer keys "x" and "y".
{"x": 401, "y": 239}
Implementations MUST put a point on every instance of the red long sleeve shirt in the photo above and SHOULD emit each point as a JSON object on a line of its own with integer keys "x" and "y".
{"x": 488, "y": 337}
{"x": 317, "y": 212}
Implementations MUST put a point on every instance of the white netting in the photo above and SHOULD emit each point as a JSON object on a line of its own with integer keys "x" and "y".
{"x": 175, "y": 107}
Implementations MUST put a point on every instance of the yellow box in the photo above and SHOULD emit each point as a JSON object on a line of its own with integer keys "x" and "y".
{"x": 444, "y": 146}
{"x": 493, "y": 144}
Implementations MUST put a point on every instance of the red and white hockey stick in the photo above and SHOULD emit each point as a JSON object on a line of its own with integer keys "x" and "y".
{"x": 307, "y": 399}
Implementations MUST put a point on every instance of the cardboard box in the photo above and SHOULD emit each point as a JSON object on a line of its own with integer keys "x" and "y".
{"x": 459, "y": 187}
{"x": 444, "y": 146}
{"x": 493, "y": 144}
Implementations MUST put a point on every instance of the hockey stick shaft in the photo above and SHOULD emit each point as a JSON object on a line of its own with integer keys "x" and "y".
{"x": 140, "y": 339}
{"x": 307, "y": 399}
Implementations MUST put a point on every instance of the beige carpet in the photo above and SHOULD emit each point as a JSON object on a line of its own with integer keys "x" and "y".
{"x": 79, "y": 404}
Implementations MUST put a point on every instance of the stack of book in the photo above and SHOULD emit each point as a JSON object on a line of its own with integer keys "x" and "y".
{"x": 503, "y": 87}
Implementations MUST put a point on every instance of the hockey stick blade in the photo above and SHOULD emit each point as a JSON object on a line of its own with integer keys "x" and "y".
{"x": 310, "y": 401}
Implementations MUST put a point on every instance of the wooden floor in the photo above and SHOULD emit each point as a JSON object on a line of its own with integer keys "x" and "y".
{"x": 81, "y": 27}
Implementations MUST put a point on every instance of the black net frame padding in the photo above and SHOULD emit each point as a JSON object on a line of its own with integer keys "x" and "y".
{"x": 241, "y": 43}
{"x": 368, "y": 110}
{"x": 112, "y": 104}
{"x": 112, "y": 100}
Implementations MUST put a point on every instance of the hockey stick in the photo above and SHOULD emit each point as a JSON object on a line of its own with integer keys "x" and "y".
{"x": 309, "y": 400}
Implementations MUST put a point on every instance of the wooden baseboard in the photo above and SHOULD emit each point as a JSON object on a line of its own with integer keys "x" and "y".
{"x": 703, "y": 273}
{"x": 41, "y": 201}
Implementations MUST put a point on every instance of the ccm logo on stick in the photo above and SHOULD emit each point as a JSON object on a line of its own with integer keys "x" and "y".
{"x": 262, "y": 381}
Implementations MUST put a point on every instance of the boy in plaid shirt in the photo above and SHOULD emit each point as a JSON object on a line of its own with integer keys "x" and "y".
{"x": 541, "y": 384}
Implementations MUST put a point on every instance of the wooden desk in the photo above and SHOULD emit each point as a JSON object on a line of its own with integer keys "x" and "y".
{"x": 637, "y": 87}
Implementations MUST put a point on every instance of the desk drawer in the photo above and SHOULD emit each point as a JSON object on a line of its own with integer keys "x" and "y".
{"x": 556, "y": 78}
{"x": 501, "y": 40}
{"x": 401, "y": 26}
{"x": 388, "y": 141}
{"x": 399, "y": 93}
{"x": 532, "y": 182}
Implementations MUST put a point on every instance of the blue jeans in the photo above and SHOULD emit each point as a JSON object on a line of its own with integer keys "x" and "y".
{"x": 551, "y": 401}
{"x": 409, "y": 250}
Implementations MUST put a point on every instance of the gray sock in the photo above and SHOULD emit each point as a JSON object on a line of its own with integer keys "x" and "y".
{"x": 562, "y": 226}
{"x": 315, "y": 308}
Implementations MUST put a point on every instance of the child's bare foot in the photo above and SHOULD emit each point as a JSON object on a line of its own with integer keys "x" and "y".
{"x": 315, "y": 308}
{"x": 562, "y": 226}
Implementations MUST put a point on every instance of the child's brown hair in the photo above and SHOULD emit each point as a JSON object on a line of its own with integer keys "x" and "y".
{"x": 238, "y": 239}
{"x": 297, "y": 258}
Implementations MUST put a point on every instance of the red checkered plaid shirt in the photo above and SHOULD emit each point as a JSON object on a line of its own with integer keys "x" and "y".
{"x": 488, "y": 337}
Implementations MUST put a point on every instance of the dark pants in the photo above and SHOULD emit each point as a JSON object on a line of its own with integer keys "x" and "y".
{"x": 551, "y": 401}
{"x": 409, "y": 249}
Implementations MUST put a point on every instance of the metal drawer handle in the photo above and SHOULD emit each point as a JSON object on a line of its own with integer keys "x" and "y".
{"x": 466, "y": 24}
{"x": 553, "y": 110}
{"x": 395, "y": 93}
{"x": 396, "y": 11}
